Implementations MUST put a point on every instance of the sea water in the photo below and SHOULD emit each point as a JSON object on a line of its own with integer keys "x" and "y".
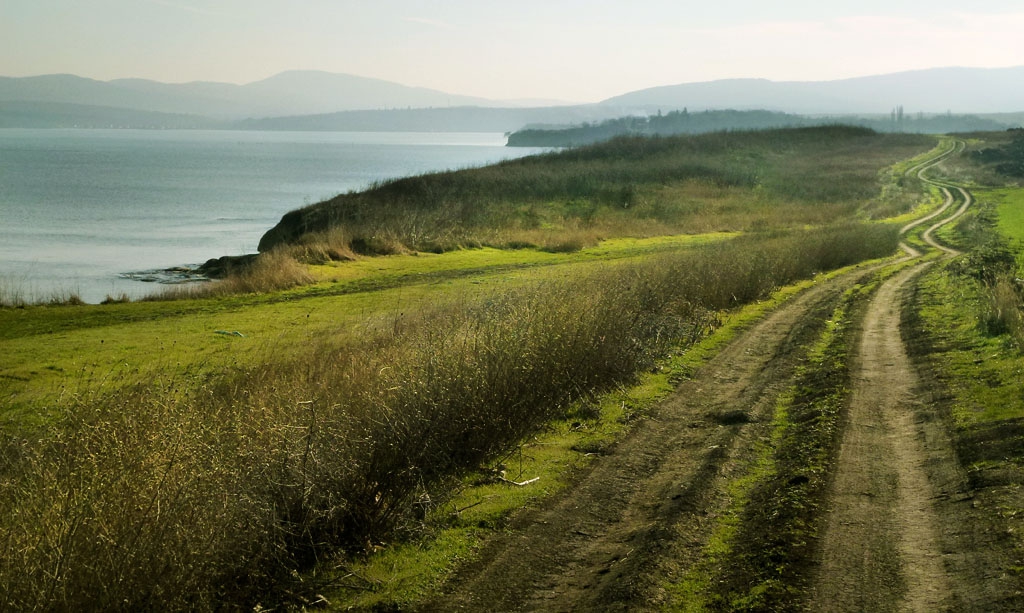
{"x": 81, "y": 209}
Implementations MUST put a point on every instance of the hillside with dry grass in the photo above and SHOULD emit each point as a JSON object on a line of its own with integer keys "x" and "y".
{"x": 631, "y": 186}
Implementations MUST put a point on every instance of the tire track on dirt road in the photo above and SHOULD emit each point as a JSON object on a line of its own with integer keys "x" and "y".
{"x": 882, "y": 548}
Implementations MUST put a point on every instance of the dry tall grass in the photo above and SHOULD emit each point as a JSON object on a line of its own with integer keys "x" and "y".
{"x": 272, "y": 271}
{"x": 206, "y": 494}
{"x": 14, "y": 294}
{"x": 1002, "y": 311}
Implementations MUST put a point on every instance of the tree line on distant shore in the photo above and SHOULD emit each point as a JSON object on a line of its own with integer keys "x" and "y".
{"x": 685, "y": 122}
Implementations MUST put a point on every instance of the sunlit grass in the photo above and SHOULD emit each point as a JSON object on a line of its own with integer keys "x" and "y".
{"x": 984, "y": 371}
{"x": 119, "y": 342}
{"x": 1010, "y": 209}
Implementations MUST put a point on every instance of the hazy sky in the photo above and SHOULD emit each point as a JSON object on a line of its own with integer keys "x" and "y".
{"x": 573, "y": 50}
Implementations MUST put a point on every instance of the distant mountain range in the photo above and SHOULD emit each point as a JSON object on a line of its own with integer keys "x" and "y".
{"x": 959, "y": 90}
{"x": 288, "y": 93}
{"x": 310, "y": 100}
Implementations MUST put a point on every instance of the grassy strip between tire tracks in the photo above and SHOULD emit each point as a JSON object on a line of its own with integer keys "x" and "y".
{"x": 759, "y": 553}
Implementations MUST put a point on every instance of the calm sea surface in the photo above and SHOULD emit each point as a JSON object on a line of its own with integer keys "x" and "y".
{"x": 79, "y": 208}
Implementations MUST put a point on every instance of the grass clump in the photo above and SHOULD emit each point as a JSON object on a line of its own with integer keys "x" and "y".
{"x": 268, "y": 272}
{"x": 14, "y": 295}
{"x": 991, "y": 265}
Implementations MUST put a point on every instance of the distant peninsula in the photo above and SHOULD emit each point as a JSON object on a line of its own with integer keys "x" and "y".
{"x": 684, "y": 122}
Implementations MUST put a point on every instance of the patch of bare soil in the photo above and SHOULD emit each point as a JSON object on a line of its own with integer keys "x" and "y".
{"x": 881, "y": 548}
{"x": 599, "y": 546}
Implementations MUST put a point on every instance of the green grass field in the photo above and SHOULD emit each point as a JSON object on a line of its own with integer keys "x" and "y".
{"x": 54, "y": 350}
{"x": 1010, "y": 210}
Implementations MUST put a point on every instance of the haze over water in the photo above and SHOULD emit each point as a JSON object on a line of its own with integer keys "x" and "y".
{"x": 80, "y": 207}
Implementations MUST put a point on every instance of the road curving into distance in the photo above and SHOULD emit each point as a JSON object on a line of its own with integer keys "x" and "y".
{"x": 643, "y": 515}
{"x": 882, "y": 548}
{"x": 919, "y": 172}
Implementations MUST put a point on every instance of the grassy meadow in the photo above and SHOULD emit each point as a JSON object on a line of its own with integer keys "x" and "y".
{"x": 981, "y": 332}
{"x": 207, "y": 449}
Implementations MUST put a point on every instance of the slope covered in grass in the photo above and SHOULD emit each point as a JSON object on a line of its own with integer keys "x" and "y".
{"x": 631, "y": 186}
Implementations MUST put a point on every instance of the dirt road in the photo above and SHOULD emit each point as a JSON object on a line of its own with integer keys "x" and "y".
{"x": 648, "y": 507}
{"x": 882, "y": 549}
